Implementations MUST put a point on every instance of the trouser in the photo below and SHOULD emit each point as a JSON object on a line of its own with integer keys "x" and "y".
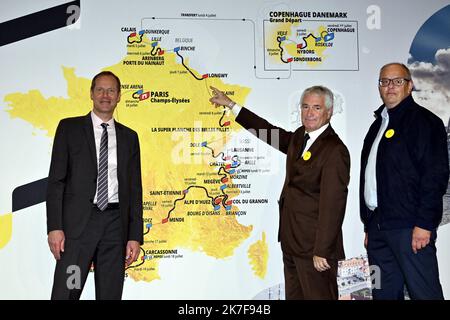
{"x": 396, "y": 265}
{"x": 303, "y": 282}
{"x": 100, "y": 243}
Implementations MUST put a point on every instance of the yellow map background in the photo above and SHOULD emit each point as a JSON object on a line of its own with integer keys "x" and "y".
{"x": 217, "y": 235}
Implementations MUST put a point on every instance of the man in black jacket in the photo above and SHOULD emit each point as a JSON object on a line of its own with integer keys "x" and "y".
{"x": 94, "y": 198}
{"x": 404, "y": 175}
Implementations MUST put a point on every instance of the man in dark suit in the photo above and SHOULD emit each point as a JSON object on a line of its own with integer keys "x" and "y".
{"x": 314, "y": 196}
{"x": 94, "y": 197}
{"x": 404, "y": 175}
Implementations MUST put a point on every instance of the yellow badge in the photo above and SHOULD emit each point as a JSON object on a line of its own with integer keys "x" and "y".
{"x": 390, "y": 133}
{"x": 307, "y": 156}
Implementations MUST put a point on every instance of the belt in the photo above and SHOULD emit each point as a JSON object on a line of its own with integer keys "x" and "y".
{"x": 111, "y": 206}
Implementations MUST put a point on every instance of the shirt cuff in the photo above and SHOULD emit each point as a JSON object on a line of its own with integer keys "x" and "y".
{"x": 236, "y": 109}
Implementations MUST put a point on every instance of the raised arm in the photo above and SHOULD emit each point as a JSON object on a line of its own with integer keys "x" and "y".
{"x": 274, "y": 136}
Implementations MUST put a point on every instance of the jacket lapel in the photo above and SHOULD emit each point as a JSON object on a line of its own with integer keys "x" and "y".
{"x": 120, "y": 149}
{"x": 318, "y": 142}
{"x": 89, "y": 133}
{"x": 298, "y": 143}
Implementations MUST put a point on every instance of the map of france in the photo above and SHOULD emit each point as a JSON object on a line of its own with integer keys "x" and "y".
{"x": 187, "y": 171}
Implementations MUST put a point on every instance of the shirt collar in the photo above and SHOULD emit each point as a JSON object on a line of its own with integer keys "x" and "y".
{"x": 384, "y": 113}
{"x": 97, "y": 122}
{"x": 314, "y": 134}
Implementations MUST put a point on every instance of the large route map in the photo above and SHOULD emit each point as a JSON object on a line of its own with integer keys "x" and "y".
{"x": 210, "y": 188}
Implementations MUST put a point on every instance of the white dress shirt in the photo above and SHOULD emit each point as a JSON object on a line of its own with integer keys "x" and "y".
{"x": 113, "y": 183}
{"x": 313, "y": 135}
{"x": 370, "y": 176}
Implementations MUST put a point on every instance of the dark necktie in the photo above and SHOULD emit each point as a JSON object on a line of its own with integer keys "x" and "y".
{"x": 102, "y": 185}
{"x": 305, "y": 140}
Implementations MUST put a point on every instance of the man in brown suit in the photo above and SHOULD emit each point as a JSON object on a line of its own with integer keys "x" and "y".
{"x": 313, "y": 199}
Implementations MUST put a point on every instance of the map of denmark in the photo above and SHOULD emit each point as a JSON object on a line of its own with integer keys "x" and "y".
{"x": 297, "y": 44}
{"x": 190, "y": 178}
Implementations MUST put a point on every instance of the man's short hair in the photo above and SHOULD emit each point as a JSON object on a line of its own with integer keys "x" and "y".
{"x": 403, "y": 66}
{"x": 322, "y": 92}
{"x": 102, "y": 74}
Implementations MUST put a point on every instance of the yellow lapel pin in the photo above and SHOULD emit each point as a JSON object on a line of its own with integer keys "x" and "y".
{"x": 390, "y": 133}
{"x": 307, "y": 156}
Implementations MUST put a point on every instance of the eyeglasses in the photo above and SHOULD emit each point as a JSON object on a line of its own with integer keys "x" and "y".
{"x": 109, "y": 91}
{"x": 396, "y": 82}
